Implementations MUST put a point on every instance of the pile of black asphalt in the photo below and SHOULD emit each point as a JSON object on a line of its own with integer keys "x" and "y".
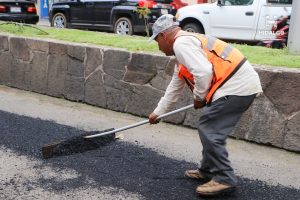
{"x": 77, "y": 144}
{"x": 119, "y": 164}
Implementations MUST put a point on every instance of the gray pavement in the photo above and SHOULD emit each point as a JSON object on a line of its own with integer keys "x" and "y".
{"x": 43, "y": 22}
{"x": 147, "y": 164}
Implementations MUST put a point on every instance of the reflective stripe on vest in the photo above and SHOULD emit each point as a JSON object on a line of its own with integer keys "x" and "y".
{"x": 225, "y": 59}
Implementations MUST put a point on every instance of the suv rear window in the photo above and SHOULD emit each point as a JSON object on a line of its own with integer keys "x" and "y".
{"x": 164, "y": 1}
{"x": 280, "y": 1}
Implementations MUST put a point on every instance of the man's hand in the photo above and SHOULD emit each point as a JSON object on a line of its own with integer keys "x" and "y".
{"x": 153, "y": 118}
{"x": 199, "y": 104}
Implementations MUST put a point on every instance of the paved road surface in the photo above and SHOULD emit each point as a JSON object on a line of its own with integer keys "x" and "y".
{"x": 147, "y": 164}
{"x": 44, "y": 22}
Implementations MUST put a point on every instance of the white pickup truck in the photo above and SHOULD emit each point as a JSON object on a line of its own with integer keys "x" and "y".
{"x": 247, "y": 20}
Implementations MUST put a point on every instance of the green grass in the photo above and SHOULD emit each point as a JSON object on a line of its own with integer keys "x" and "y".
{"x": 131, "y": 43}
{"x": 266, "y": 56}
{"x": 255, "y": 54}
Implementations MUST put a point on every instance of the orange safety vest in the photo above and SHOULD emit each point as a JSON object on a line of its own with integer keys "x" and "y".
{"x": 225, "y": 60}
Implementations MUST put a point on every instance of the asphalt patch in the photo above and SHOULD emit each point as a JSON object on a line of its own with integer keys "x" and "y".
{"x": 77, "y": 144}
{"x": 119, "y": 164}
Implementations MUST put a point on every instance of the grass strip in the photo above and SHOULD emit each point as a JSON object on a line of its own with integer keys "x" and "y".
{"x": 255, "y": 54}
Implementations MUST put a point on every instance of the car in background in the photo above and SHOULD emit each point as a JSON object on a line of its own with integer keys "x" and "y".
{"x": 242, "y": 20}
{"x": 281, "y": 29}
{"x": 119, "y": 16}
{"x": 23, "y": 11}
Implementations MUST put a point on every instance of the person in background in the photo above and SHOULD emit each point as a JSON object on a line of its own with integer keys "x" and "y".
{"x": 223, "y": 83}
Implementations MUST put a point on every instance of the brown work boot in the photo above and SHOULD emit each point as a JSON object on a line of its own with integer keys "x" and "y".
{"x": 213, "y": 188}
{"x": 194, "y": 174}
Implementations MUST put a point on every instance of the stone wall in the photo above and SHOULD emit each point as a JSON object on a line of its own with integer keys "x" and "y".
{"x": 134, "y": 82}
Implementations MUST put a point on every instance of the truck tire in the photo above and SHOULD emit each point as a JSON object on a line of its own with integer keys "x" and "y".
{"x": 59, "y": 20}
{"x": 123, "y": 26}
{"x": 193, "y": 27}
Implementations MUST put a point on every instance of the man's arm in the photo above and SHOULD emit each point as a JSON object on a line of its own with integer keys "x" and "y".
{"x": 171, "y": 96}
{"x": 188, "y": 52}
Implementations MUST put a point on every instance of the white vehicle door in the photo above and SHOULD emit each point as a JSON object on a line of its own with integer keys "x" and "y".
{"x": 271, "y": 11}
{"x": 237, "y": 19}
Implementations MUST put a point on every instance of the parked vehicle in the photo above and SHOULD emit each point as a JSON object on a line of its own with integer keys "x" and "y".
{"x": 18, "y": 11}
{"x": 281, "y": 29}
{"x": 244, "y": 20}
{"x": 120, "y": 16}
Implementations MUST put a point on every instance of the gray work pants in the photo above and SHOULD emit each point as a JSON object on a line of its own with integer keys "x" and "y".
{"x": 215, "y": 125}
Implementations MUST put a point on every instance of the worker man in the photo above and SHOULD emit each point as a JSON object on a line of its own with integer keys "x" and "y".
{"x": 223, "y": 83}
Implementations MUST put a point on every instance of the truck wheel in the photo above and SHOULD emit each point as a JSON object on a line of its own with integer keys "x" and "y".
{"x": 59, "y": 20}
{"x": 193, "y": 27}
{"x": 123, "y": 26}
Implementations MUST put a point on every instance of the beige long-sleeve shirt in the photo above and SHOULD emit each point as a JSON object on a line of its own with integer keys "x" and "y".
{"x": 188, "y": 52}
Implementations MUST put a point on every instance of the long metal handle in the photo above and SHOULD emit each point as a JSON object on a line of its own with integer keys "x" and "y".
{"x": 139, "y": 123}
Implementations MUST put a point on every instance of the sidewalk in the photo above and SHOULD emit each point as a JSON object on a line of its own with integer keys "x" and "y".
{"x": 43, "y": 22}
{"x": 252, "y": 161}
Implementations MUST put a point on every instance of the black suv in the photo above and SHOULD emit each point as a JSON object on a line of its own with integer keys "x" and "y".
{"x": 23, "y": 11}
{"x": 120, "y": 16}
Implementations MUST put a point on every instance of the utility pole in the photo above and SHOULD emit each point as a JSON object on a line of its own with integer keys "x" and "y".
{"x": 294, "y": 29}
